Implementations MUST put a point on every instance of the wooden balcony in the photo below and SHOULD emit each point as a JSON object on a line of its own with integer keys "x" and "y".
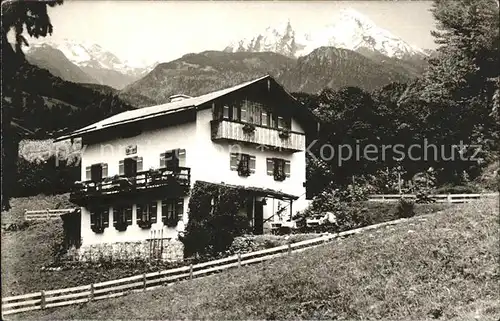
{"x": 164, "y": 182}
{"x": 259, "y": 135}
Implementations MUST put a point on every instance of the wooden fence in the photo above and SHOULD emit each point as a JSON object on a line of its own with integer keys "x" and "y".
{"x": 115, "y": 288}
{"x": 44, "y": 215}
{"x": 442, "y": 198}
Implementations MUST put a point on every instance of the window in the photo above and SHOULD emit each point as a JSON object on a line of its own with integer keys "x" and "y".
{"x": 99, "y": 219}
{"x": 264, "y": 118}
{"x": 243, "y": 163}
{"x": 279, "y": 168}
{"x": 130, "y": 166}
{"x": 122, "y": 217}
{"x": 96, "y": 172}
{"x": 146, "y": 214}
{"x": 173, "y": 159}
{"x": 172, "y": 210}
{"x": 225, "y": 112}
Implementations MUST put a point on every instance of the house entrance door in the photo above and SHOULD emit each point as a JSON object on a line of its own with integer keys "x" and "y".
{"x": 258, "y": 227}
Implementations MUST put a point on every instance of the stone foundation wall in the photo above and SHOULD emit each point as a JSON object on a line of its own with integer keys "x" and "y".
{"x": 170, "y": 250}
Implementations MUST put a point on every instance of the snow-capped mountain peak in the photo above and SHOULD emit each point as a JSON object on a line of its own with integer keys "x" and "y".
{"x": 279, "y": 38}
{"x": 349, "y": 29}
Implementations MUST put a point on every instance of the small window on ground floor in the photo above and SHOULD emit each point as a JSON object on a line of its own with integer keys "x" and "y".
{"x": 122, "y": 217}
{"x": 172, "y": 210}
{"x": 146, "y": 214}
{"x": 99, "y": 219}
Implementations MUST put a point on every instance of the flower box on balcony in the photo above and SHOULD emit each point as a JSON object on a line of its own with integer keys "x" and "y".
{"x": 249, "y": 128}
{"x": 284, "y": 134}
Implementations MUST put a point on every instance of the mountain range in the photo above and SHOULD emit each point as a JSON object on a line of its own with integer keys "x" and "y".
{"x": 84, "y": 63}
{"x": 348, "y": 29}
{"x": 350, "y": 51}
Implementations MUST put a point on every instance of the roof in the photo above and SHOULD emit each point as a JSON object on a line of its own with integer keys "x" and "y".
{"x": 158, "y": 110}
{"x": 258, "y": 191}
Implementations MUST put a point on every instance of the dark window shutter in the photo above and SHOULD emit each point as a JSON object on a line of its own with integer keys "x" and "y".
{"x": 179, "y": 208}
{"x": 138, "y": 213}
{"x": 270, "y": 166}
{"x": 154, "y": 212}
{"x": 87, "y": 173}
{"x": 234, "y": 159}
{"x": 252, "y": 164}
{"x": 105, "y": 217}
{"x": 121, "y": 167}
{"x": 287, "y": 168}
{"x": 128, "y": 215}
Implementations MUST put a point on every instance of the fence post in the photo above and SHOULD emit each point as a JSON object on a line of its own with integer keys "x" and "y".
{"x": 48, "y": 214}
{"x": 239, "y": 259}
{"x": 289, "y": 248}
{"x": 91, "y": 295}
{"x": 191, "y": 270}
{"x": 448, "y": 198}
{"x": 42, "y": 299}
{"x": 144, "y": 281}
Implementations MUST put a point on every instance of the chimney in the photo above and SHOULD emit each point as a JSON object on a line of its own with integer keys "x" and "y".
{"x": 178, "y": 97}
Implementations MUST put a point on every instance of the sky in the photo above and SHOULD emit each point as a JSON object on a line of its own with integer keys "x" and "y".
{"x": 144, "y": 32}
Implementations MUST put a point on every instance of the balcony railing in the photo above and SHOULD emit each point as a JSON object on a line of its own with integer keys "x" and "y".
{"x": 142, "y": 181}
{"x": 259, "y": 135}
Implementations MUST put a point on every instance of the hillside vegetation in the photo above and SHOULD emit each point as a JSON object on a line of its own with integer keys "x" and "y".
{"x": 438, "y": 267}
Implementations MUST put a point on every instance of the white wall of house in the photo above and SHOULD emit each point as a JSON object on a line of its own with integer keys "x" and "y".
{"x": 150, "y": 144}
{"x": 208, "y": 160}
{"x": 213, "y": 164}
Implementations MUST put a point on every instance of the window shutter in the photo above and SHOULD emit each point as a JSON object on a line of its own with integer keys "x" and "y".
{"x": 179, "y": 208}
{"x": 252, "y": 164}
{"x": 162, "y": 160}
{"x": 270, "y": 166}
{"x": 234, "y": 158}
{"x": 243, "y": 115}
{"x": 225, "y": 112}
{"x": 164, "y": 210}
{"x": 104, "y": 170}
{"x": 128, "y": 215}
{"x": 138, "y": 213}
{"x": 105, "y": 217}
{"x": 182, "y": 157}
{"x": 121, "y": 167}
{"x": 287, "y": 168}
{"x": 139, "y": 164}
{"x": 154, "y": 212}
{"x": 92, "y": 219}
{"x": 87, "y": 173}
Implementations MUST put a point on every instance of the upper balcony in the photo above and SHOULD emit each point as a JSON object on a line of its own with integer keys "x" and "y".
{"x": 255, "y": 134}
{"x": 165, "y": 182}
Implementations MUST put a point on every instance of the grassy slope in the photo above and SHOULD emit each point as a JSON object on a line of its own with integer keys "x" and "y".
{"x": 443, "y": 266}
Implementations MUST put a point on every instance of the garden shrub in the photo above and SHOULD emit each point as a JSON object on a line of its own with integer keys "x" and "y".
{"x": 457, "y": 189}
{"x": 405, "y": 208}
{"x": 215, "y": 218}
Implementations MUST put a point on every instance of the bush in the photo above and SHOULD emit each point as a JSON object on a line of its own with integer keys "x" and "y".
{"x": 215, "y": 219}
{"x": 405, "y": 208}
{"x": 457, "y": 189}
